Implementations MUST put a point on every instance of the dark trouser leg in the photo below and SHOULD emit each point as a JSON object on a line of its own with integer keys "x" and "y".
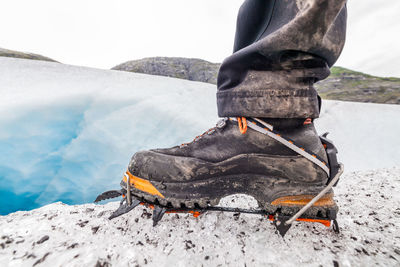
{"x": 282, "y": 47}
{"x": 252, "y": 20}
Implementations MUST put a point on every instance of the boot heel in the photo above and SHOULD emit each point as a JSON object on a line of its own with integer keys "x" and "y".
{"x": 324, "y": 209}
{"x": 302, "y": 200}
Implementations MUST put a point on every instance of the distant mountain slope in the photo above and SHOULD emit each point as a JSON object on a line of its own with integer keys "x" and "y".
{"x": 348, "y": 85}
{"x": 342, "y": 84}
{"x": 192, "y": 69}
{"x": 17, "y": 54}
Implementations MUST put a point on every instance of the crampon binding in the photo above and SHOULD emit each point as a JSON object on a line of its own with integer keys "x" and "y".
{"x": 282, "y": 222}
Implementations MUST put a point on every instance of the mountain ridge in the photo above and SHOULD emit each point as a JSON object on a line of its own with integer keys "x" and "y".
{"x": 24, "y": 55}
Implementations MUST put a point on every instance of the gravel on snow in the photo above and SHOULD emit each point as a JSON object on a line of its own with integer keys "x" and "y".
{"x": 81, "y": 235}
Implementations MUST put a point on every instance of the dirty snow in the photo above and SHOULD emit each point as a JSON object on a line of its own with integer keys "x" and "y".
{"x": 62, "y": 235}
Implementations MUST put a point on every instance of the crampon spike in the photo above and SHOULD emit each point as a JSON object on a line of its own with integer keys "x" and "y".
{"x": 108, "y": 195}
{"x": 158, "y": 213}
{"x": 280, "y": 224}
{"x": 335, "y": 227}
{"x": 124, "y": 208}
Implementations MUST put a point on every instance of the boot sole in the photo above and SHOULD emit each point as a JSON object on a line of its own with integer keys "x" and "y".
{"x": 273, "y": 194}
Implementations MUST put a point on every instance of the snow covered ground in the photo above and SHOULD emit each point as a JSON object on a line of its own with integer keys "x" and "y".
{"x": 62, "y": 235}
{"x": 67, "y": 132}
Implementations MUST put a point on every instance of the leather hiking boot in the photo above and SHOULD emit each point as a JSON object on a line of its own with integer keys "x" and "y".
{"x": 282, "y": 169}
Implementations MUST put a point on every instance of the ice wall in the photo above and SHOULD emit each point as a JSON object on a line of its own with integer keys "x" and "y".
{"x": 67, "y": 133}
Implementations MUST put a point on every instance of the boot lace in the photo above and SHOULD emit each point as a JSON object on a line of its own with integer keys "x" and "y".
{"x": 242, "y": 123}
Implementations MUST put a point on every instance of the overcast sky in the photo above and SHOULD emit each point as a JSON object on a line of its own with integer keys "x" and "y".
{"x": 102, "y": 34}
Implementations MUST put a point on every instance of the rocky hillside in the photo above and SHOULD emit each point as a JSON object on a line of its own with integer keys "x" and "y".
{"x": 192, "y": 69}
{"x": 342, "y": 84}
{"x": 17, "y": 54}
{"x": 348, "y": 85}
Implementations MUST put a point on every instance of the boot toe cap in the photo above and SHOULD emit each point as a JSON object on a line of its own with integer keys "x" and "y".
{"x": 162, "y": 167}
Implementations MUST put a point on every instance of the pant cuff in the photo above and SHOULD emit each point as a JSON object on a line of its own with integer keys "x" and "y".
{"x": 269, "y": 103}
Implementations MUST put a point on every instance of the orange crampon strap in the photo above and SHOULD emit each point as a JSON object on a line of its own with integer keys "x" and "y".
{"x": 307, "y": 121}
{"x": 242, "y": 124}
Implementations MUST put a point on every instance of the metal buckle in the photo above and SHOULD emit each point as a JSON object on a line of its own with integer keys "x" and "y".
{"x": 221, "y": 123}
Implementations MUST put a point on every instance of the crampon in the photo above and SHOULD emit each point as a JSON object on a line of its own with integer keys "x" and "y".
{"x": 281, "y": 220}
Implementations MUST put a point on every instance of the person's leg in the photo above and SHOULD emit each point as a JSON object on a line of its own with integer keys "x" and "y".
{"x": 278, "y": 56}
{"x": 252, "y": 20}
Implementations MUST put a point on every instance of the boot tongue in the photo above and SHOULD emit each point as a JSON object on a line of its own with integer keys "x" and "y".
{"x": 284, "y": 124}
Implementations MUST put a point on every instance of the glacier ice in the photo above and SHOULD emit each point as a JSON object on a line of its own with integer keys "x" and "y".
{"x": 67, "y": 133}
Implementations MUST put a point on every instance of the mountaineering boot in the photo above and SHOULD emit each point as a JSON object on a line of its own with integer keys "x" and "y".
{"x": 282, "y": 168}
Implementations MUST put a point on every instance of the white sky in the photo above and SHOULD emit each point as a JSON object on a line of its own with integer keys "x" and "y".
{"x": 102, "y": 34}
